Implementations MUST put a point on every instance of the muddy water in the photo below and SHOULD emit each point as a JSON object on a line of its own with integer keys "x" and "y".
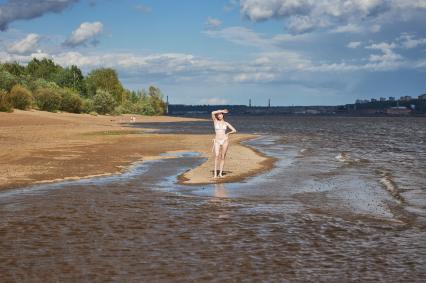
{"x": 346, "y": 202}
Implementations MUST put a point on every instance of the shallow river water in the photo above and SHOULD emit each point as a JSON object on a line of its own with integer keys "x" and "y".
{"x": 346, "y": 202}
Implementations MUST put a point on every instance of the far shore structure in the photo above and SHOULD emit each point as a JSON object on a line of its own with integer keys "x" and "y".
{"x": 404, "y": 106}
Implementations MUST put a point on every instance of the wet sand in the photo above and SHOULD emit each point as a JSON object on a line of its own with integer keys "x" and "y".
{"x": 37, "y": 146}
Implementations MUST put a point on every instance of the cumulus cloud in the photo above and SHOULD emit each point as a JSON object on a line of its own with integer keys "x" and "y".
{"x": 342, "y": 15}
{"x": 247, "y": 37}
{"x": 409, "y": 41}
{"x": 266, "y": 66}
{"x": 26, "y": 45}
{"x": 349, "y": 28}
{"x": 212, "y": 23}
{"x": 85, "y": 33}
{"x": 387, "y": 56}
{"x": 254, "y": 77}
{"x": 14, "y": 10}
{"x": 214, "y": 101}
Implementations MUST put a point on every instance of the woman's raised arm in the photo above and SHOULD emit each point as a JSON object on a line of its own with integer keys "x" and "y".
{"x": 217, "y": 112}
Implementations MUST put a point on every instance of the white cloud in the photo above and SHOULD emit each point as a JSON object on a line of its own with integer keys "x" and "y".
{"x": 254, "y": 77}
{"x": 280, "y": 61}
{"x": 213, "y": 23}
{"x": 354, "y": 44}
{"x": 339, "y": 15}
{"x": 214, "y": 101}
{"x": 241, "y": 36}
{"x": 349, "y": 28}
{"x": 247, "y": 37}
{"x": 388, "y": 55}
{"x": 268, "y": 65}
{"x": 383, "y": 46}
{"x": 409, "y": 41}
{"x": 84, "y": 33}
{"x": 40, "y": 55}
{"x": 286, "y": 37}
{"x": 302, "y": 24}
{"x": 26, "y": 45}
{"x": 231, "y": 5}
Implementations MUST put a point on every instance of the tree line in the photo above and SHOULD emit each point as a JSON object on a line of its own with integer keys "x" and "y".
{"x": 44, "y": 85}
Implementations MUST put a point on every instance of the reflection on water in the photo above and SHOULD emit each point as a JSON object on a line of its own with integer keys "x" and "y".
{"x": 220, "y": 191}
{"x": 345, "y": 203}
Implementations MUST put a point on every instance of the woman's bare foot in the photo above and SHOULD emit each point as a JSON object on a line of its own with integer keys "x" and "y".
{"x": 220, "y": 175}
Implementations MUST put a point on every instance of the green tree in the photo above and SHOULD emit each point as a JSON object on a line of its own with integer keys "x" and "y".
{"x": 45, "y": 69}
{"x": 144, "y": 107}
{"x": 104, "y": 79}
{"x": 71, "y": 77}
{"x": 43, "y": 84}
{"x": 14, "y": 68}
{"x": 20, "y": 97}
{"x": 156, "y": 100}
{"x": 104, "y": 102}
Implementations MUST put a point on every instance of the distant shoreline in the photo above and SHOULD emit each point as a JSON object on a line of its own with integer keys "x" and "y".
{"x": 415, "y": 108}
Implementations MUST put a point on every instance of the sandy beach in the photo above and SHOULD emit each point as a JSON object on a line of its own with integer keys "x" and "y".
{"x": 39, "y": 146}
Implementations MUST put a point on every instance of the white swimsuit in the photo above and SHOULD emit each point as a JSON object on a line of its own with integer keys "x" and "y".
{"x": 220, "y": 129}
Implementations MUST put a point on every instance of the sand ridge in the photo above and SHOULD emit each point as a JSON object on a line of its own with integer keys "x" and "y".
{"x": 38, "y": 146}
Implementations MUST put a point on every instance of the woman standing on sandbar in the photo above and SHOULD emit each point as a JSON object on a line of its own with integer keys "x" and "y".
{"x": 220, "y": 142}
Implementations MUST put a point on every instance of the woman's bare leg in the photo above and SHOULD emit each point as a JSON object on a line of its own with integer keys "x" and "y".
{"x": 222, "y": 157}
{"x": 216, "y": 158}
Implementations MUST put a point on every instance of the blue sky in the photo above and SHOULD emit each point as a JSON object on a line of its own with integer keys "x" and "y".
{"x": 295, "y": 52}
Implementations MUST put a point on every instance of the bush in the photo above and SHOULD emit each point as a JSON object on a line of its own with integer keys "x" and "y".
{"x": 87, "y": 106}
{"x": 71, "y": 101}
{"x": 42, "y": 83}
{"x": 126, "y": 108}
{"x": 20, "y": 97}
{"x": 104, "y": 102}
{"x": 143, "y": 107}
{"x": 7, "y": 80}
{"x": 48, "y": 99}
{"x": 5, "y": 105}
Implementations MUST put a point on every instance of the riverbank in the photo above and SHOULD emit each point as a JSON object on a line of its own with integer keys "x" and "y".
{"x": 37, "y": 146}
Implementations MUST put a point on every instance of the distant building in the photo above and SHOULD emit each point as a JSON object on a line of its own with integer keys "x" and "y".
{"x": 382, "y": 98}
{"x": 391, "y": 98}
{"x": 399, "y": 110}
{"x": 423, "y": 96}
{"x": 373, "y": 100}
{"x": 312, "y": 111}
{"x": 361, "y": 101}
{"x": 405, "y": 98}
